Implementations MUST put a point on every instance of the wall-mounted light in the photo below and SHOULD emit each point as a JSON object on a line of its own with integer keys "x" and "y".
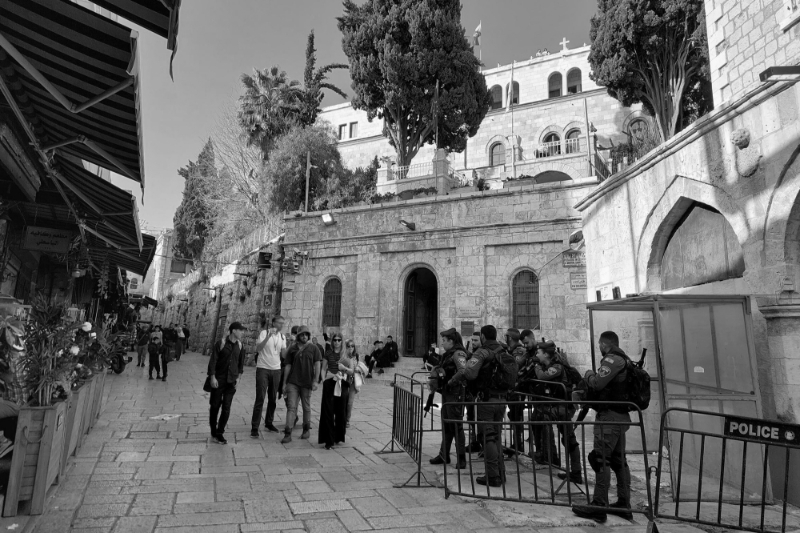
{"x": 576, "y": 241}
{"x": 327, "y": 219}
{"x": 790, "y": 73}
{"x": 409, "y": 225}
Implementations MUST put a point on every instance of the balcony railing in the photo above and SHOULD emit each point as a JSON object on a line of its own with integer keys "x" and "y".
{"x": 575, "y": 146}
{"x": 419, "y": 170}
{"x": 550, "y": 149}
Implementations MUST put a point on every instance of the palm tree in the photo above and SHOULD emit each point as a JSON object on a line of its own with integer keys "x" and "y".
{"x": 314, "y": 81}
{"x": 270, "y": 106}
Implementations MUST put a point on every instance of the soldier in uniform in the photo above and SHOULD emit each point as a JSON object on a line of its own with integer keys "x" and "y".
{"x": 608, "y": 384}
{"x": 491, "y": 406}
{"x": 550, "y": 367}
{"x": 515, "y": 413}
{"x": 454, "y": 360}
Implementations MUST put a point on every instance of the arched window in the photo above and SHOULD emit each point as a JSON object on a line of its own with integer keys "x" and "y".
{"x": 134, "y": 284}
{"x": 332, "y": 303}
{"x": 554, "y": 84}
{"x": 497, "y": 156}
{"x": 703, "y": 248}
{"x": 551, "y": 145}
{"x": 515, "y": 99}
{"x": 497, "y": 97}
{"x": 574, "y": 81}
{"x": 525, "y": 300}
{"x": 572, "y": 143}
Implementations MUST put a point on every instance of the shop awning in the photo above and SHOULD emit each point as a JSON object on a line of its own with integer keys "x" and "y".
{"x": 109, "y": 217}
{"x": 73, "y": 73}
{"x": 157, "y": 16}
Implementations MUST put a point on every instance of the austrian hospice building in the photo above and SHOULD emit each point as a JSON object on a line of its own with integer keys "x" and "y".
{"x": 461, "y": 257}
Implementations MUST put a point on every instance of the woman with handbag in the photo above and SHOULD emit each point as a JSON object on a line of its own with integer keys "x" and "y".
{"x": 335, "y": 394}
{"x": 356, "y": 379}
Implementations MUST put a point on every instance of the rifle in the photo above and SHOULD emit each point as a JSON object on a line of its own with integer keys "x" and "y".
{"x": 437, "y": 373}
{"x": 585, "y": 409}
{"x": 429, "y": 404}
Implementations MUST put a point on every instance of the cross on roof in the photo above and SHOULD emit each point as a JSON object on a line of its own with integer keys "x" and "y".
{"x": 563, "y": 44}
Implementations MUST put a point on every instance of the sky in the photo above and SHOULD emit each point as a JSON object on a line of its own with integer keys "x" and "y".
{"x": 219, "y": 41}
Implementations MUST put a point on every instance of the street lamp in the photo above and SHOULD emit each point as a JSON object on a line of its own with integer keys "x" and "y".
{"x": 409, "y": 225}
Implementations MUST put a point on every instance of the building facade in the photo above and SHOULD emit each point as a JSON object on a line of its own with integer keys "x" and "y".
{"x": 166, "y": 269}
{"x": 542, "y": 133}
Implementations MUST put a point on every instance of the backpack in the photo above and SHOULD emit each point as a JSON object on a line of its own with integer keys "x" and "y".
{"x": 504, "y": 372}
{"x": 572, "y": 376}
{"x": 637, "y": 383}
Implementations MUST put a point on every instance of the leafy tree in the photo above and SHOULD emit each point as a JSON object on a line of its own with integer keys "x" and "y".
{"x": 397, "y": 50}
{"x": 348, "y": 188}
{"x": 285, "y": 170}
{"x": 192, "y": 220}
{"x": 654, "y": 52}
{"x": 270, "y": 106}
{"x": 314, "y": 82}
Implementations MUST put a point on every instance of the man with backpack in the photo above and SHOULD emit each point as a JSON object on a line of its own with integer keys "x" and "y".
{"x": 492, "y": 373}
{"x": 515, "y": 412}
{"x": 609, "y": 384}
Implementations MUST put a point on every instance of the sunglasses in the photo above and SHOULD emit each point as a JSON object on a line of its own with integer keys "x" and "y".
{"x": 337, "y": 340}
{"x": 350, "y": 346}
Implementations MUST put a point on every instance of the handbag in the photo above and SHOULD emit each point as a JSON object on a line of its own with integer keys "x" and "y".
{"x": 358, "y": 380}
{"x": 207, "y": 384}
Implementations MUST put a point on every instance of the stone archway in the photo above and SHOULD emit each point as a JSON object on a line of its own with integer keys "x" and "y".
{"x": 420, "y": 311}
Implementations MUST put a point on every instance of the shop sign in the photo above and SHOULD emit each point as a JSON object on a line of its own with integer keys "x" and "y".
{"x": 47, "y": 240}
{"x": 467, "y": 328}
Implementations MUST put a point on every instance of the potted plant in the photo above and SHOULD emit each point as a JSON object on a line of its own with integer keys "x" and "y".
{"x": 45, "y": 371}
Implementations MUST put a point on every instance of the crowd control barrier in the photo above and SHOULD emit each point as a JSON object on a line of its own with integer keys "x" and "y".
{"x": 407, "y": 425}
{"x": 721, "y": 472}
{"x": 535, "y": 480}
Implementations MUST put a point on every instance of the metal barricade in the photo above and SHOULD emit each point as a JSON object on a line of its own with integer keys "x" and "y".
{"x": 429, "y": 415}
{"x": 407, "y": 425}
{"x": 532, "y": 481}
{"x": 724, "y": 469}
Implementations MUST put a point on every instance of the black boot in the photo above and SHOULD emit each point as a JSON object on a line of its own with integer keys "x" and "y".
{"x": 439, "y": 460}
{"x": 462, "y": 462}
{"x": 584, "y": 511}
{"x": 621, "y": 509}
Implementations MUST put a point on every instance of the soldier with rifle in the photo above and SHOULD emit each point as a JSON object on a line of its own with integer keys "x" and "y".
{"x": 515, "y": 412}
{"x": 454, "y": 361}
{"x": 544, "y": 440}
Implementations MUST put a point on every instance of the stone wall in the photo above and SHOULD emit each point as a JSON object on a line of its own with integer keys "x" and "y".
{"x": 474, "y": 243}
{"x": 742, "y": 161}
{"x": 745, "y": 38}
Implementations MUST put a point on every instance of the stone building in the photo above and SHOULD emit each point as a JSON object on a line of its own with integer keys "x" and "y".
{"x": 546, "y": 125}
{"x": 166, "y": 269}
{"x": 413, "y": 268}
{"x": 716, "y": 211}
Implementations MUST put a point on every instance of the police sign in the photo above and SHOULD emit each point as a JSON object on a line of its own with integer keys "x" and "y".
{"x": 762, "y": 430}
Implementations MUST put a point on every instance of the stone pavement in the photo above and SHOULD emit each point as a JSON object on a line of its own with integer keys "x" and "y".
{"x": 148, "y": 466}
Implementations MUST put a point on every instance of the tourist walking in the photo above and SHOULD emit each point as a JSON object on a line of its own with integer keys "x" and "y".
{"x": 156, "y": 351}
{"x": 180, "y": 342}
{"x": 335, "y": 395}
{"x": 141, "y": 344}
{"x": 225, "y": 368}
{"x": 300, "y": 377}
{"x": 352, "y": 354}
{"x": 270, "y": 349}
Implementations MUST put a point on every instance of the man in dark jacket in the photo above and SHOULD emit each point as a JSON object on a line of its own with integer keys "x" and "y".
{"x": 492, "y": 406}
{"x": 157, "y": 352}
{"x": 225, "y": 368}
{"x": 453, "y": 361}
{"x": 608, "y": 384}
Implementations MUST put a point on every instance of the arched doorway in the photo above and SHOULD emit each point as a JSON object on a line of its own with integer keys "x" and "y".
{"x": 420, "y": 311}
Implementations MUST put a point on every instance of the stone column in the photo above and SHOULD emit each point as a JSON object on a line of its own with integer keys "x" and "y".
{"x": 385, "y": 183}
{"x": 441, "y": 166}
{"x": 783, "y": 337}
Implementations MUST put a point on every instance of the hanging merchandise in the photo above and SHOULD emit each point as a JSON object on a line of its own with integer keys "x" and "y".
{"x": 102, "y": 281}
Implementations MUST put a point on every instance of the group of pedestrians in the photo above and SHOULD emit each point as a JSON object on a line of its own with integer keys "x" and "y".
{"x": 293, "y": 367}
{"x": 157, "y": 345}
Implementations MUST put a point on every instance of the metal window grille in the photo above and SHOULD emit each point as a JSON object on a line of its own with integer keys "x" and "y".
{"x": 525, "y": 290}
{"x": 332, "y": 303}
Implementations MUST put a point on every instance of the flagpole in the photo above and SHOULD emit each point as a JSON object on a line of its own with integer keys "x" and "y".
{"x": 511, "y": 94}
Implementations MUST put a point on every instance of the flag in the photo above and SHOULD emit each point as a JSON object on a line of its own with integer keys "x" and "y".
{"x": 510, "y": 96}
{"x": 476, "y": 37}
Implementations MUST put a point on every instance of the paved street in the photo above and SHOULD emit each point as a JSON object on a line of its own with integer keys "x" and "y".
{"x": 149, "y": 466}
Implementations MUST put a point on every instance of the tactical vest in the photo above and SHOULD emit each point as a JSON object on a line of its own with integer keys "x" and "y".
{"x": 616, "y": 391}
{"x": 482, "y": 382}
{"x": 449, "y": 364}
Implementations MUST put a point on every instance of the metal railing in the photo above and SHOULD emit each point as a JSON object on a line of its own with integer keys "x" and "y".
{"x": 717, "y": 465}
{"x": 420, "y": 170}
{"x": 532, "y": 481}
{"x": 573, "y": 146}
{"x": 407, "y": 424}
{"x": 550, "y": 149}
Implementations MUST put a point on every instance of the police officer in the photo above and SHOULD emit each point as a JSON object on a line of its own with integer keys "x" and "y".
{"x": 515, "y": 412}
{"x": 453, "y": 361}
{"x": 608, "y": 384}
{"x": 550, "y": 367}
{"x": 491, "y": 406}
